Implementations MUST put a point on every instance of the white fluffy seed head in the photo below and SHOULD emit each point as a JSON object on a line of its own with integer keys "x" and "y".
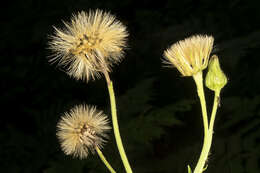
{"x": 89, "y": 45}
{"x": 190, "y": 55}
{"x": 81, "y": 130}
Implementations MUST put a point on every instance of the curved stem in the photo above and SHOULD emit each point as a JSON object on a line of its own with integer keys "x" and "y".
{"x": 115, "y": 124}
{"x": 199, "y": 83}
{"x": 208, "y": 139}
{"x": 208, "y": 130}
{"x": 102, "y": 157}
{"x": 214, "y": 110}
{"x": 204, "y": 153}
{"x": 207, "y": 134}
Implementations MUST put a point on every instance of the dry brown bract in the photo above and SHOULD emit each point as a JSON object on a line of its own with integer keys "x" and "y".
{"x": 89, "y": 45}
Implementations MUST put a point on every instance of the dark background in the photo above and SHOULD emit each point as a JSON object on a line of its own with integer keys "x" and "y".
{"x": 159, "y": 111}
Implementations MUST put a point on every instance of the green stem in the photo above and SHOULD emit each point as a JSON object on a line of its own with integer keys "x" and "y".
{"x": 115, "y": 125}
{"x": 200, "y": 89}
{"x": 208, "y": 139}
{"x": 204, "y": 153}
{"x": 207, "y": 134}
{"x": 102, "y": 157}
{"x": 214, "y": 110}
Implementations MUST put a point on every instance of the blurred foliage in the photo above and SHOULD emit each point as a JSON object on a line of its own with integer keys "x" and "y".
{"x": 237, "y": 149}
{"x": 159, "y": 112}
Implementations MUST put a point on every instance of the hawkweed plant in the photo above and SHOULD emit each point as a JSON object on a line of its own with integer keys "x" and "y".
{"x": 87, "y": 47}
{"x": 191, "y": 56}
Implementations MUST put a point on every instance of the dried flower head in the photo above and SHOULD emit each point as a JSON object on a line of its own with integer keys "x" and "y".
{"x": 89, "y": 45}
{"x": 81, "y": 130}
{"x": 190, "y": 55}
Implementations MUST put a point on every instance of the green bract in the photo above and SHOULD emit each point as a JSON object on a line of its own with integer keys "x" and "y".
{"x": 215, "y": 78}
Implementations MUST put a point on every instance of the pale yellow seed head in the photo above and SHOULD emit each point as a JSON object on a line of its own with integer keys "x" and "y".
{"x": 81, "y": 130}
{"x": 89, "y": 45}
{"x": 190, "y": 55}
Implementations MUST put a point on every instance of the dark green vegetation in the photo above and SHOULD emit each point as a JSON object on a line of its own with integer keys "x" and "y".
{"x": 159, "y": 111}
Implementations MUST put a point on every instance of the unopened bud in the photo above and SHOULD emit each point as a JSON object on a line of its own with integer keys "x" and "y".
{"x": 215, "y": 78}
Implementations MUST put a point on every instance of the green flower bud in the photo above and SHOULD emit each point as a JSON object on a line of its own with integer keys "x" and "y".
{"x": 215, "y": 78}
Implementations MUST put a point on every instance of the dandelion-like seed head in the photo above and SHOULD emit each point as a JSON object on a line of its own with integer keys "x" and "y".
{"x": 89, "y": 45}
{"x": 190, "y": 55}
{"x": 81, "y": 130}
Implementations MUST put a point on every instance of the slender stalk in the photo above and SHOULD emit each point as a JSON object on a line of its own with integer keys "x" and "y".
{"x": 208, "y": 139}
{"x": 207, "y": 134}
{"x": 199, "y": 83}
{"x": 115, "y": 124}
{"x": 214, "y": 110}
{"x": 209, "y": 131}
{"x": 204, "y": 153}
{"x": 102, "y": 157}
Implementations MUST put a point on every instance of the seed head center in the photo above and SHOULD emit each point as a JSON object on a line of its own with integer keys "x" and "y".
{"x": 86, "y": 131}
{"x": 86, "y": 44}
